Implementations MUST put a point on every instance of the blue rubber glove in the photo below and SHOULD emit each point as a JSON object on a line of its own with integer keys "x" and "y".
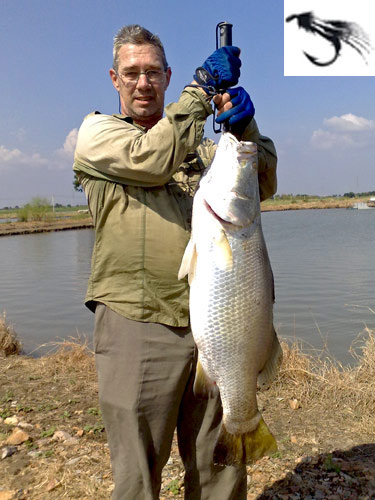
{"x": 221, "y": 70}
{"x": 240, "y": 115}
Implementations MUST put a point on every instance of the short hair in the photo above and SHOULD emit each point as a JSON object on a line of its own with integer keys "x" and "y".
{"x": 136, "y": 35}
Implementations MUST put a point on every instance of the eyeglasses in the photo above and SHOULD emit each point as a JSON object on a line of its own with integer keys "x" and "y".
{"x": 130, "y": 78}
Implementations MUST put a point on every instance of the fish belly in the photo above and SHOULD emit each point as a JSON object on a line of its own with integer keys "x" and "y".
{"x": 232, "y": 324}
{"x": 231, "y": 300}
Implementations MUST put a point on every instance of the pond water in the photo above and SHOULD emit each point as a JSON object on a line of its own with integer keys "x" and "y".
{"x": 43, "y": 284}
{"x": 323, "y": 263}
{"x": 324, "y": 268}
{"x": 3, "y": 220}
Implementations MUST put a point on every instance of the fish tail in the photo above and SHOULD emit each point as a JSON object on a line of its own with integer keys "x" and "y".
{"x": 270, "y": 369}
{"x": 244, "y": 449}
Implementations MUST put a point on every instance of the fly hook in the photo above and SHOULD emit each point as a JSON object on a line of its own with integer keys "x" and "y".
{"x": 334, "y": 32}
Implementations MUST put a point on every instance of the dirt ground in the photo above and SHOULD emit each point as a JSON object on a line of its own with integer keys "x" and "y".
{"x": 53, "y": 443}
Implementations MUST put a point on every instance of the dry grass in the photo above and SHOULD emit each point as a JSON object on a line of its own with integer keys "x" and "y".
{"x": 311, "y": 378}
{"x": 319, "y": 381}
{"x": 56, "y": 392}
{"x": 9, "y": 344}
{"x": 59, "y": 391}
{"x": 301, "y": 203}
{"x": 69, "y": 356}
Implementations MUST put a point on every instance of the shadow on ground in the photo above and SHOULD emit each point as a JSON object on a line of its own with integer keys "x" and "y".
{"x": 348, "y": 474}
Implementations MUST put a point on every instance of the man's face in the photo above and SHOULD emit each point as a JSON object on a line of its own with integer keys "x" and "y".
{"x": 142, "y": 100}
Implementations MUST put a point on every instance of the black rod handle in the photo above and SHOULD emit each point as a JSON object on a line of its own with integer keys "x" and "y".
{"x": 225, "y": 34}
{"x": 223, "y": 39}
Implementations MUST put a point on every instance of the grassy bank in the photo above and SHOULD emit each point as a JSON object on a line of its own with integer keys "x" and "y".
{"x": 286, "y": 202}
{"x": 59, "y": 220}
{"x": 53, "y": 444}
{"x": 62, "y": 218}
{"x": 40, "y": 211}
{"x": 283, "y": 202}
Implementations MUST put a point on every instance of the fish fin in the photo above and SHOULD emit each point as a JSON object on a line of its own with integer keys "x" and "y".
{"x": 244, "y": 449}
{"x": 204, "y": 387}
{"x": 269, "y": 370}
{"x": 189, "y": 262}
{"x": 222, "y": 252}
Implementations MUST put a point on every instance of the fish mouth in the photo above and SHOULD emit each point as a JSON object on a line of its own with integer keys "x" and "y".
{"x": 216, "y": 216}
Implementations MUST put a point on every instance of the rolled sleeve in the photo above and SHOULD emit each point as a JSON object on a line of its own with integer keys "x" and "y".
{"x": 267, "y": 160}
{"x": 113, "y": 148}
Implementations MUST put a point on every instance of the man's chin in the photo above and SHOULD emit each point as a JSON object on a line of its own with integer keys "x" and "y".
{"x": 147, "y": 111}
{"x": 144, "y": 109}
{"x": 143, "y": 112}
{"x": 146, "y": 117}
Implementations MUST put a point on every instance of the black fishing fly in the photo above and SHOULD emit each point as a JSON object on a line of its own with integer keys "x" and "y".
{"x": 335, "y": 32}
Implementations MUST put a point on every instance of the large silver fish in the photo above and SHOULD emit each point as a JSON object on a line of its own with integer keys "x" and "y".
{"x": 231, "y": 299}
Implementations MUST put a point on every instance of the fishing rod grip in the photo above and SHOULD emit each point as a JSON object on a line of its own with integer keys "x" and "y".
{"x": 223, "y": 34}
{"x": 223, "y": 39}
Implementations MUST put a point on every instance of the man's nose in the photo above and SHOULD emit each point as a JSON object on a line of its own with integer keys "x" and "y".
{"x": 143, "y": 80}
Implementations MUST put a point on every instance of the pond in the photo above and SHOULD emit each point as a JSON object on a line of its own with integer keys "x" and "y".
{"x": 323, "y": 263}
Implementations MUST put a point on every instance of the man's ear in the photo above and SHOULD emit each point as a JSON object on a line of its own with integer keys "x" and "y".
{"x": 168, "y": 74}
{"x": 114, "y": 78}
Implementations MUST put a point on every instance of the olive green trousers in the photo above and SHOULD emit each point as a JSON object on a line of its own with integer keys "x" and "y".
{"x": 146, "y": 374}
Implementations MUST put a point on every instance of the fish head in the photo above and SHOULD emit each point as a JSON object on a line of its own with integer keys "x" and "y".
{"x": 230, "y": 187}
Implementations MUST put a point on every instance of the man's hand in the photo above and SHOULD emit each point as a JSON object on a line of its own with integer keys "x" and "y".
{"x": 221, "y": 69}
{"x": 236, "y": 108}
{"x": 222, "y": 103}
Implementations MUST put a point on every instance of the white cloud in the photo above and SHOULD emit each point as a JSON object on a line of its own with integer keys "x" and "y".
{"x": 70, "y": 144}
{"x": 349, "y": 123}
{"x": 323, "y": 139}
{"x": 9, "y": 157}
{"x": 345, "y": 131}
{"x": 61, "y": 159}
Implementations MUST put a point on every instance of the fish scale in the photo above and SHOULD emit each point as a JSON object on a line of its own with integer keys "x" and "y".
{"x": 231, "y": 299}
{"x": 228, "y": 297}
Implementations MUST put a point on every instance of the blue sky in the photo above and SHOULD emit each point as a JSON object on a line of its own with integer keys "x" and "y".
{"x": 55, "y": 56}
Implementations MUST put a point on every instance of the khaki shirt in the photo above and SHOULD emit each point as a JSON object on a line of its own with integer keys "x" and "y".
{"x": 139, "y": 186}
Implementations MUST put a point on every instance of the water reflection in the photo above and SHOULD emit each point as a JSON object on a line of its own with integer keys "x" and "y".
{"x": 323, "y": 262}
{"x": 43, "y": 285}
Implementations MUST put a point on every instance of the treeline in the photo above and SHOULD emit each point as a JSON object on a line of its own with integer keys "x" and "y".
{"x": 45, "y": 203}
{"x": 307, "y": 197}
{"x": 359, "y": 195}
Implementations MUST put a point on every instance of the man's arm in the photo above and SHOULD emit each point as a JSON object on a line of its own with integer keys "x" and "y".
{"x": 114, "y": 149}
{"x": 117, "y": 150}
{"x": 267, "y": 160}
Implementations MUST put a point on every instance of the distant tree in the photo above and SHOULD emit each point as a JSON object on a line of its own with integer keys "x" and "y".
{"x": 349, "y": 195}
{"x": 286, "y": 196}
{"x": 76, "y": 184}
{"x": 37, "y": 209}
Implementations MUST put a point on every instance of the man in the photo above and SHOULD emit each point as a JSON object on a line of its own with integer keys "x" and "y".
{"x": 139, "y": 172}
